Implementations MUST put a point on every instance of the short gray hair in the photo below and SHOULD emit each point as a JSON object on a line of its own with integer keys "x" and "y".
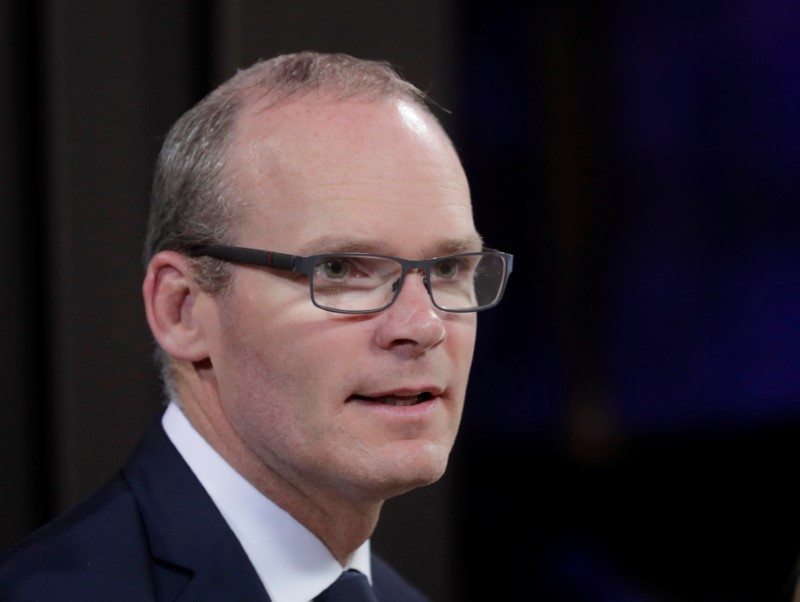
{"x": 192, "y": 202}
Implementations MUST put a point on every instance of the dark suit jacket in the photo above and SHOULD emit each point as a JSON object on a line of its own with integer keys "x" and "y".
{"x": 151, "y": 533}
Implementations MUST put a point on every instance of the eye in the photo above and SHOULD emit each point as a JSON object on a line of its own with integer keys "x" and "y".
{"x": 446, "y": 269}
{"x": 334, "y": 268}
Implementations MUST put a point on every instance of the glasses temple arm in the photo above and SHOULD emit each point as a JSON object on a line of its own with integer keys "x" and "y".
{"x": 270, "y": 259}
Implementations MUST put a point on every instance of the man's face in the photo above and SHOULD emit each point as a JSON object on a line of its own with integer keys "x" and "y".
{"x": 357, "y": 406}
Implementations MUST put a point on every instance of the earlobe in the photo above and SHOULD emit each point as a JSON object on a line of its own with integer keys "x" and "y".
{"x": 170, "y": 296}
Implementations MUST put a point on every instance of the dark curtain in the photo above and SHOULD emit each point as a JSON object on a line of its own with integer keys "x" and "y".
{"x": 634, "y": 412}
{"x": 634, "y": 419}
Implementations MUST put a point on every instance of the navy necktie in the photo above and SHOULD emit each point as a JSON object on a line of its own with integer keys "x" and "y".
{"x": 351, "y": 586}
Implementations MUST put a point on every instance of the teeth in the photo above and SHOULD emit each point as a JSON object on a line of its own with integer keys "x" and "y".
{"x": 401, "y": 401}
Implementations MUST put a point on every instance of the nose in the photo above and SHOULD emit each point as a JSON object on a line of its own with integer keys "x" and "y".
{"x": 411, "y": 325}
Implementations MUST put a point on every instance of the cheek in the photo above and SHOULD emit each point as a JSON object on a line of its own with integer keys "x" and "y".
{"x": 290, "y": 377}
{"x": 273, "y": 406}
{"x": 461, "y": 337}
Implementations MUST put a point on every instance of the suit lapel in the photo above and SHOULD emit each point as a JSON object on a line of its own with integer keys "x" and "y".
{"x": 221, "y": 577}
{"x": 197, "y": 555}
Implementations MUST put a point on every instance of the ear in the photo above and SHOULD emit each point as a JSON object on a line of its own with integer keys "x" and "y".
{"x": 170, "y": 297}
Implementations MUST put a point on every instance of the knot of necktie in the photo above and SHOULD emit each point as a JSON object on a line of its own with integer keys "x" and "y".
{"x": 351, "y": 586}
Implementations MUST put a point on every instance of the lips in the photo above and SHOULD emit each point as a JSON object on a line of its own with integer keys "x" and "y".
{"x": 396, "y": 399}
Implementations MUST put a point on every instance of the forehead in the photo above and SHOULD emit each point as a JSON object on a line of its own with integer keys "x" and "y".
{"x": 381, "y": 171}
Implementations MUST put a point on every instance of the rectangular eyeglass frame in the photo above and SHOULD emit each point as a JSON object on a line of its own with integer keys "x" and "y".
{"x": 305, "y": 264}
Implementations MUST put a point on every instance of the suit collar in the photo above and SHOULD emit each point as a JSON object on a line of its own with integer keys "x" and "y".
{"x": 196, "y": 552}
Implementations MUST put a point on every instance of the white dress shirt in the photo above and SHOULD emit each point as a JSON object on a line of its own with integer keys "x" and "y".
{"x": 291, "y": 562}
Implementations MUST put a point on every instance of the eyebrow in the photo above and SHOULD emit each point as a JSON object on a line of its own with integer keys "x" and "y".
{"x": 330, "y": 244}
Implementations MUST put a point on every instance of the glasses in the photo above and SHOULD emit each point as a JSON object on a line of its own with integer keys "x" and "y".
{"x": 363, "y": 283}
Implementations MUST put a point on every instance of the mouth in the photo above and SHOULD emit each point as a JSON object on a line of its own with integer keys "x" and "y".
{"x": 396, "y": 400}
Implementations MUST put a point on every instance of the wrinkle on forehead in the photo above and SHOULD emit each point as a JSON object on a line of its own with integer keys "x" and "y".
{"x": 309, "y": 168}
{"x": 338, "y": 244}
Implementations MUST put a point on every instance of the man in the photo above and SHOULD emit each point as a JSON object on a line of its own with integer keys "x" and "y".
{"x": 312, "y": 374}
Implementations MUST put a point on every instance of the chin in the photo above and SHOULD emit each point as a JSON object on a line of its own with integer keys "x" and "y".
{"x": 413, "y": 468}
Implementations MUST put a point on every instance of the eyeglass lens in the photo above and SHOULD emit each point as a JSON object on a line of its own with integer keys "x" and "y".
{"x": 368, "y": 283}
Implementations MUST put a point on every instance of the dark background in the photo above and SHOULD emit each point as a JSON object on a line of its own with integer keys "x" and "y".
{"x": 633, "y": 424}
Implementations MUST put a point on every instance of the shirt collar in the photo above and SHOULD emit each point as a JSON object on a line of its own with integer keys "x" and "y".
{"x": 292, "y": 563}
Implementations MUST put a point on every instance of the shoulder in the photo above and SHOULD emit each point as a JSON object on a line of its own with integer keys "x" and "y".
{"x": 95, "y": 547}
{"x": 151, "y": 533}
{"x": 390, "y": 586}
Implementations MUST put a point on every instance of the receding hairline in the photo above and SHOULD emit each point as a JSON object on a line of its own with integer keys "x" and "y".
{"x": 334, "y": 77}
{"x": 288, "y": 79}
